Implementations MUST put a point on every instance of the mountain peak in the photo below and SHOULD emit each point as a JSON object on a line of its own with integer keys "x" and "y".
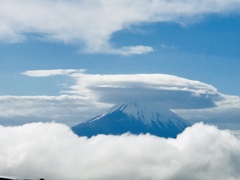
{"x": 136, "y": 118}
{"x": 147, "y": 112}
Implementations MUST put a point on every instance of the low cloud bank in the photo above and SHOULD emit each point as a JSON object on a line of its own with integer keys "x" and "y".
{"x": 53, "y": 151}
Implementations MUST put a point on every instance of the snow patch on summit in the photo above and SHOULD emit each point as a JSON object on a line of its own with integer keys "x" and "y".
{"x": 147, "y": 112}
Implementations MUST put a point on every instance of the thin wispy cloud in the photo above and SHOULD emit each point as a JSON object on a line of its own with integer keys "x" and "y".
{"x": 64, "y": 109}
{"x": 136, "y": 50}
{"x": 55, "y": 72}
{"x": 92, "y": 23}
{"x": 167, "y": 47}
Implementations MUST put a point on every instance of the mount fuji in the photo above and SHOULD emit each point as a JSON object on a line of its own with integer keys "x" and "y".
{"x": 136, "y": 118}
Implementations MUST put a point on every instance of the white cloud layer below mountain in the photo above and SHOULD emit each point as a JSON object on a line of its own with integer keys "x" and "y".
{"x": 92, "y": 22}
{"x": 52, "y": 151}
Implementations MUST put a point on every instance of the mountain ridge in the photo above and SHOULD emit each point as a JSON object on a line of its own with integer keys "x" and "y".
{"x": 136, "y": 118}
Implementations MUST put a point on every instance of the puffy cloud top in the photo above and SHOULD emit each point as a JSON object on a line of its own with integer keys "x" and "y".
{"x": 52, "y": 151}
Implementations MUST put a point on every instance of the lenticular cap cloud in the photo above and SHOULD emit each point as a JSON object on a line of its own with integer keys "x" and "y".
{"x": 170, "y": 91}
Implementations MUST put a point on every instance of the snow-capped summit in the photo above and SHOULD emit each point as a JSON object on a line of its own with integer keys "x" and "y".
{"x": 136, "y": 118}
{"x": 145, "y": 112}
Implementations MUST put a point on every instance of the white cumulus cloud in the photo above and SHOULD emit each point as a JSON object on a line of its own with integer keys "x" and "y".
{"x": 52, "y": 151}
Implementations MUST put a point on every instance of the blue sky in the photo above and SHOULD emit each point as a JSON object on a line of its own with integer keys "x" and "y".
{"x": 192, "y": 40}
{"x": 66, "y": 61}
{"x": 208, "y": 51}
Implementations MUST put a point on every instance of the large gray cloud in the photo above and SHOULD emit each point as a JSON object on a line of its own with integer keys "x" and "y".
{"x": 224, "y": 115}
{"x": 93, "y": 22}
{"x": 52, "y": 151}
{"x": 171, "y": 99}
